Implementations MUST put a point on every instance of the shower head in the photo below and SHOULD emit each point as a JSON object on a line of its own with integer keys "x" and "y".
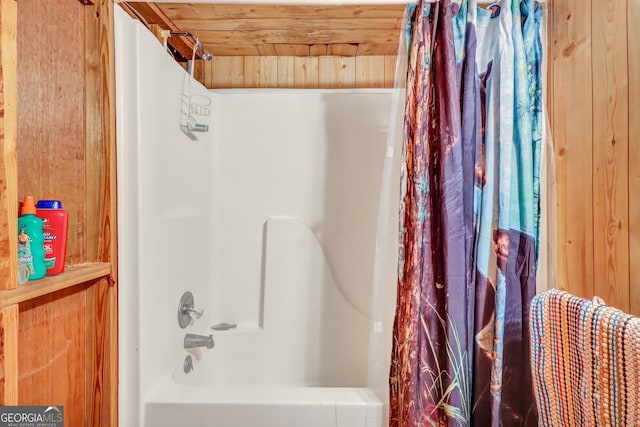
{"x": 206, "y": 56}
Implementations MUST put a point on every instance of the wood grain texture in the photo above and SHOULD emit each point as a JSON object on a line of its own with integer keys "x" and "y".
{"x": 101, "y": 354}
{"x": 260, "y": 71}
{"x": 337, "y": 71}
{"x": 573, "y": 142}
{"x": 74, "y": 275}
{"x": 286, "y": 72}
{"x": 306, "y": 72}
{"x": 181, "y": 11}
{"x": 633, "y": 50}
{"x": 370, "y": 71}
{"x": 315, "y": 24}
{"x": 318, "y": 50}
{"x": 51, "y": 107}
{"x": 251, "y": 29}
{"x": 268, "y": 72}
{"x": 610, "y": 152}
{"x": 8, "y": 162}
{"x": 208, "y": 74}
{"x": 342, "y": 49}
{"x": 374, "y": 49}
{"x": 390, "y": 62}
{"x": 198, "y": 70}
{"x": 292, "y": 49}
{"x": 52, "y": 363}
{"x": 252, "y": 70}
{"x": 267, "y": 50}
{"x": 94, "y": 137}
{"x": 234, "y": 50}
{"x": 102, "y": 310}
{"x": 300, "y": 72}
{"x": 227, "y": 72}
{"x": 10, "y": 354}
{"x": 290, "y": 36}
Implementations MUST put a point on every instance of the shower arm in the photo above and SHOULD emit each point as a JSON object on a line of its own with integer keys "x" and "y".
{"x": 207, "y": 56}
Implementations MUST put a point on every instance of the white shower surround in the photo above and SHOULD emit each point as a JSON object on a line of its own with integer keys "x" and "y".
{"x": 269, "y": 220}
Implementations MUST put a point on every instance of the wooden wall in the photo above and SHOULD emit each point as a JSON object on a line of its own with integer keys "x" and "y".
{"x": 595, "y": 113}
{"x": 51, "y": 67}
{"x": 58, "y": 335}
{"x": 302, "y": 72}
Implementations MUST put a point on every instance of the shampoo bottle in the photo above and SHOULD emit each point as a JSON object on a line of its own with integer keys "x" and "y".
{"x": 54, "y": 231}
{"x": 31, "y": 241}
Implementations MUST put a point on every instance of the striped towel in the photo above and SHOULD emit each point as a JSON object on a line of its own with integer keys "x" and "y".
{"x": 585, "y": 361}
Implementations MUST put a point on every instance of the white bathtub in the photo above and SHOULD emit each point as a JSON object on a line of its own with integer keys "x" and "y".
{"x": 172, "y": 404}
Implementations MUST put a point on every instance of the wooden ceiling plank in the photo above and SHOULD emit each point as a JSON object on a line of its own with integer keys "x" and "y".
{"x": 266, "y": 50}
{"x": 318, "y": 50}
{"x": 290, "y": 23}
{"x": 366, "y": 49}
{"x": 232, "y": 50}
{"x": 240, "y": 11}
{"x": 292, "y": 49}
{"x": 342, "y": 49}
{"x": 268, "y": 30}
{"x": 287, "y": 36}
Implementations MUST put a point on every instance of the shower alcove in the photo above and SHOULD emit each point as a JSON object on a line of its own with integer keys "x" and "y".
{"x": 58, "y": 336}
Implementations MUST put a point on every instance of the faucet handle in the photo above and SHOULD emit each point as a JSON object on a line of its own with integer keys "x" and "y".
{"x": 187, "y": 311}
{"x": 194, "y": 312}
{"x": 223, "y": 326}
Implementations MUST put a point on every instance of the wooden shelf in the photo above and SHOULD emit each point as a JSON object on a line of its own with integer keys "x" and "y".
{"x": 72, "y": 276}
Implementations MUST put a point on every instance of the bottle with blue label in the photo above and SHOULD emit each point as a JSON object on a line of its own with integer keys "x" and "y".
{"x": 30, "y": 241}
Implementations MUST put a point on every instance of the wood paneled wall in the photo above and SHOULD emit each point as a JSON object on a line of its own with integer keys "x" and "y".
{"x": 595, "y": 113}
{"x": 51, "y": 67}
{"x": 302, "y": 72}
{"x": 58, "y": 336}
{"x": 55, "y": 353}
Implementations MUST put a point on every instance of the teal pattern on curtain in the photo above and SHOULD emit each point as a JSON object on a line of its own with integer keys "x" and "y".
{"x": 469, "y": 215}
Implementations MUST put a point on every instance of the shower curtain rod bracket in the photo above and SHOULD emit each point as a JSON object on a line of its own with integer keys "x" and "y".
{"x": 206, "y": 56}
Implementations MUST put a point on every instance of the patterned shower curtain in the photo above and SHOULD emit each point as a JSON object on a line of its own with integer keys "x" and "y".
{"x": 469, "y": 215}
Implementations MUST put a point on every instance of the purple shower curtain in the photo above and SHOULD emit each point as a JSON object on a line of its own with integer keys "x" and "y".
{"x": 467, "y": 234}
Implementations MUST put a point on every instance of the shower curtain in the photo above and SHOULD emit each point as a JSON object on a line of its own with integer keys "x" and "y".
{"x": 469, "y": 220}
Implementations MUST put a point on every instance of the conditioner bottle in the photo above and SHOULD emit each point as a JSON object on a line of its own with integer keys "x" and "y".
{"x": 30, "y": 241}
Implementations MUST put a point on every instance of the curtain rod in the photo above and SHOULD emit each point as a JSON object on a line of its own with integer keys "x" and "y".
{"x": 207, "y": 56}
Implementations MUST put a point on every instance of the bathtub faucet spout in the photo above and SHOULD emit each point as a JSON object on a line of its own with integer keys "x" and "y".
{"x": 195, "y": 341}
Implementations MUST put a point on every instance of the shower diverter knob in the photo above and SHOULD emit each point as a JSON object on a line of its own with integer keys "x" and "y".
{"x": 187, "y": 311}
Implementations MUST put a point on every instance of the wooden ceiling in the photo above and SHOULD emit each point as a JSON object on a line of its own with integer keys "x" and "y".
{"x": 279, "y": 30}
